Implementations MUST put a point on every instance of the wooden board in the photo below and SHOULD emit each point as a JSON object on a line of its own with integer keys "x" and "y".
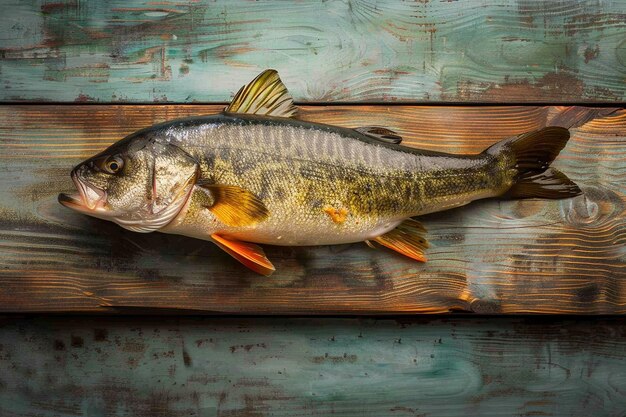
{"x": 365, "y": 50}
{"x": 301, "y": 367}
{"x": 536, "y": 256}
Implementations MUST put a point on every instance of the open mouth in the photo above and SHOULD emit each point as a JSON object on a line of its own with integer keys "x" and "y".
{"x": 71, "y": 201}
{"x": 89, "y": 198}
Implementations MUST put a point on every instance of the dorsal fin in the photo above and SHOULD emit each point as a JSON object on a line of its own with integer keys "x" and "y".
{"x": 265, "y": 95}
{"x": 381, "y": 134}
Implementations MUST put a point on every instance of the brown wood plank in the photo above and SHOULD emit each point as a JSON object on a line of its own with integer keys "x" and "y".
{"x": 536, "y": 256}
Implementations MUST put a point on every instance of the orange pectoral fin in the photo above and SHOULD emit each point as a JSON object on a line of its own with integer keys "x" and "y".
{"x": 249, "y": 254}
{"x": 407, "y": 239}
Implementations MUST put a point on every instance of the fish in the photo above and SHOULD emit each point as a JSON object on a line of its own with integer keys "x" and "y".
{"x": 255, "y": 174}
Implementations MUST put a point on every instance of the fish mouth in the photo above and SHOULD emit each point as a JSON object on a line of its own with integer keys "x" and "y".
{"x": 88, "y": 199}
{"x": 72, "y": 201}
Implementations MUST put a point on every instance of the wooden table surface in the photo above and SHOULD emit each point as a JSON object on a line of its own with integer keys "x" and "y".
{"x": 327, "y": 51}
{"x": 77, "y": 75}
{"x": 181, "y": 367}
{"x": 537, "y": 256}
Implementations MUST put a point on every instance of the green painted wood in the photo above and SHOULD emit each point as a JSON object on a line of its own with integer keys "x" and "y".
{"x": 97, "y": 367}
{"x": 326, "y": 51}
{"x": 504, "y": 257}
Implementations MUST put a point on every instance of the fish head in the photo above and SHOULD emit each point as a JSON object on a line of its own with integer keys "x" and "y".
{"x": 140, "y": 183}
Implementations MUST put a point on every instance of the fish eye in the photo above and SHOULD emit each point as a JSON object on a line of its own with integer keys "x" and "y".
{"x": 113, "y": 164}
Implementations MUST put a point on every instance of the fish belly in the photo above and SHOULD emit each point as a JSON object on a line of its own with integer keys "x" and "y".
{"x": 309, "y": 235}
{"x": 290, "y": 223}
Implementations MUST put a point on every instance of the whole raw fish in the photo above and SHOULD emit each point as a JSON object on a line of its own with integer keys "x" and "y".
{"x": 253, "y": 174}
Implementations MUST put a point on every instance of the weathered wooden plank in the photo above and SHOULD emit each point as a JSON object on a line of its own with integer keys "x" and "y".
{"x": 301, "y": 367}
{"x": 566, "y": 256}
{"x": 190, "y": 51}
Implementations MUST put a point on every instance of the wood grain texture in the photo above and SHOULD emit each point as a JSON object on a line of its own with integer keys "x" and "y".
{"x": 302, "y": 367}
{"x": 564, "y": 256}
{"x": 357, "y": 50}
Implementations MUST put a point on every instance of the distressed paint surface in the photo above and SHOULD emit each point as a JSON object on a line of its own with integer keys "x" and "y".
{"x": 296, "y": 367}
{"x": 326, "y": 51}
{"x": 539, "y": 256}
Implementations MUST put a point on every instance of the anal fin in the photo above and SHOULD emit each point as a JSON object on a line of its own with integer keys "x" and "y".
{"x": 408, "y": 239}
{"x": 249, "y": 254}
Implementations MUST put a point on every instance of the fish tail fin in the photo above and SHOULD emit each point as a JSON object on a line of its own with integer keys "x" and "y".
{"x": 528, "y": 157}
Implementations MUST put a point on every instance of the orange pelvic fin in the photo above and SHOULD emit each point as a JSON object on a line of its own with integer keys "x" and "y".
{"x": 249, "y": 254}
{"x": 407, "y": 239}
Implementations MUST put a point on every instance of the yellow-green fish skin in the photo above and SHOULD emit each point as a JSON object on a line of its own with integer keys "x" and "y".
{"x": 321, "y": 184}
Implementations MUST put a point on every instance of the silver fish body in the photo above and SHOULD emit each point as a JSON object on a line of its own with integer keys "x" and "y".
{"x": 302, "y": 170}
